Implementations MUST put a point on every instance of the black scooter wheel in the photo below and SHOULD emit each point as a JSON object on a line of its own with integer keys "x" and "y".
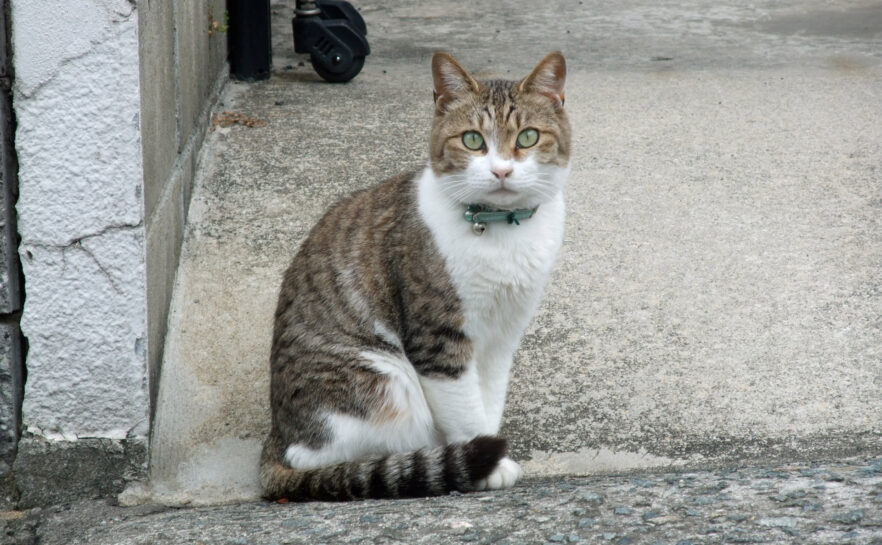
{"x": 341, "y": 74}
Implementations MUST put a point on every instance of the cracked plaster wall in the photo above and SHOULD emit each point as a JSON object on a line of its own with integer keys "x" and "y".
{"x": 81, "y": 217}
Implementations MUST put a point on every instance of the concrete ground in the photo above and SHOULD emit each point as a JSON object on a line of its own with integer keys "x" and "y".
{"x": 718, "y": 299}
{"x": 802, "y": 504}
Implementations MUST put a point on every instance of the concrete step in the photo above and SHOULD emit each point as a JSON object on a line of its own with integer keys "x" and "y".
{"x": 718, "y": 295}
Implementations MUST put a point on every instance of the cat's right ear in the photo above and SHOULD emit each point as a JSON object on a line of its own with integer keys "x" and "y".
{"x": 450, "y": 79}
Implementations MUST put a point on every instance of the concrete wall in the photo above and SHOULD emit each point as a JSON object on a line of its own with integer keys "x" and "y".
{"x": 182, "y": 66}
{"x": 112, "y": 100}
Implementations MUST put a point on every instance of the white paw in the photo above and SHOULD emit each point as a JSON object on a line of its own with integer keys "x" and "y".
{"x": 505, "y": 475}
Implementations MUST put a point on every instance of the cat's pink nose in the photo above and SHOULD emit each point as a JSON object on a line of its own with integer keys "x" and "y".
{"x": 501, "y": 172}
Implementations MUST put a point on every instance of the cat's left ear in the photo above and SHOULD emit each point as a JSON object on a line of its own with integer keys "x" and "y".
{"x": 547, "y": 79}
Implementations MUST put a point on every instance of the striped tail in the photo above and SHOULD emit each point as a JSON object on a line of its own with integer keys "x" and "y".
{"x": 421, "y": 473}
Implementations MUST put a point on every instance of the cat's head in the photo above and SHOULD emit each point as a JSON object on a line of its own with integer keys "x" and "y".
{"x": 498, "y": 142}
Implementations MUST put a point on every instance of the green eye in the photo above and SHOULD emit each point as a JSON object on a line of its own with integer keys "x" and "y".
{"x": 473, "y": 140}
{"x": 528, "y": 138}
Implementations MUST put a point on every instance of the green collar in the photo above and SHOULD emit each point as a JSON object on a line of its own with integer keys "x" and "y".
{"x": 480, "y": 215}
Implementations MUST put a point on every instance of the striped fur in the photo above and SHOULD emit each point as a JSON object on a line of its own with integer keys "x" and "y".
{"x": 396, "y": 327}
{"x": 415, "y": 474}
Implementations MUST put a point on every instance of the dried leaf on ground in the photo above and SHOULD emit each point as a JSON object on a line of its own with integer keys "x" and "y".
{"x": 227, "y": 119}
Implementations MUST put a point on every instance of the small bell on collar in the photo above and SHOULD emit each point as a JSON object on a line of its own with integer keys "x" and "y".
{"x": 479, "y": 227}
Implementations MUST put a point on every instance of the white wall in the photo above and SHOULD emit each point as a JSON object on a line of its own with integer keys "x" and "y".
{"x": 81, "y": 217}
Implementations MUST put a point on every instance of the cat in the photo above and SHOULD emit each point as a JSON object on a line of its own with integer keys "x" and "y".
{"x": 399, "y": 316}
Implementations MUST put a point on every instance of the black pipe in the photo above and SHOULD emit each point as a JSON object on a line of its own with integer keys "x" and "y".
{"x": 250, "y": 39}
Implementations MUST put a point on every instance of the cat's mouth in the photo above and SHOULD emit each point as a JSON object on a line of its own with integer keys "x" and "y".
{"x": 504, "y": 197}
{"x": 504, "y": 192}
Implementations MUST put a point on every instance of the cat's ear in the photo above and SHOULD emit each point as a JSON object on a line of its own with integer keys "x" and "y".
{"x": 547, "y": 79}
{"x": 450, "y": 79}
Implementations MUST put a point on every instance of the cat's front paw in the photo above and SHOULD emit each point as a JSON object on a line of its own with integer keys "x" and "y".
{"x": 505, "y": 475}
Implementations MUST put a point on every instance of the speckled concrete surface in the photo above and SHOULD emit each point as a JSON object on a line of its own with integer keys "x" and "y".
{"x": 801, "y": 504}
{"x": 718, "y": 295}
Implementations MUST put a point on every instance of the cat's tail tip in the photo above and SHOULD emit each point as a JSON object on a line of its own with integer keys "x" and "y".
{"x": 482, "y": 455}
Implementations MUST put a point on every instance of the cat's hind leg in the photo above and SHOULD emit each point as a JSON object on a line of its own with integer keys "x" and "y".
{"x": 398, "y": 420}
{"x": 392, "y": 450}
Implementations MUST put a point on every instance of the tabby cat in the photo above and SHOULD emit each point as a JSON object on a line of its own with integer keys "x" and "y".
{"x": 398, "y": 318}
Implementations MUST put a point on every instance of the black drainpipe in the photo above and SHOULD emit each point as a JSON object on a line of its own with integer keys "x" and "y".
{"x": 250, "y": 39}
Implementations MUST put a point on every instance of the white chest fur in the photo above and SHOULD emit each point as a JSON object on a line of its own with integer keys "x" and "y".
{"x": 499, "y": 277}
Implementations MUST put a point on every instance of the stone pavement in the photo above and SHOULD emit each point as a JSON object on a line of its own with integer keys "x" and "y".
{"x": 717, "y": 300}
{"x": 806, "y": 504}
